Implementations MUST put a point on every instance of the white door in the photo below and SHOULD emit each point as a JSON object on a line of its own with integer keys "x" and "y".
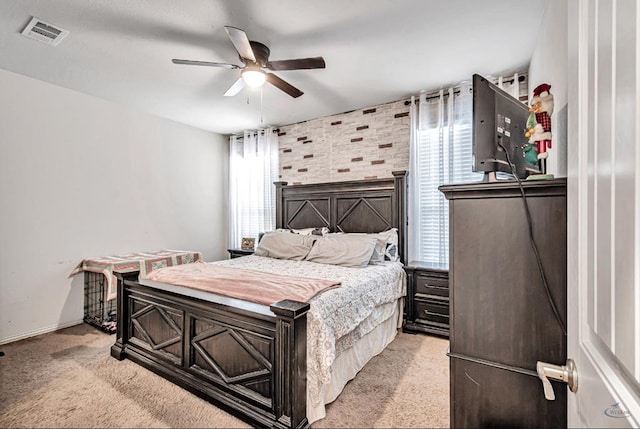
{"x": 604, "y": 212}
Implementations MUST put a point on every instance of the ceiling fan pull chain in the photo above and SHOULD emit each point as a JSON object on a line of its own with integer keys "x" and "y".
{"x": 261, "y": 88}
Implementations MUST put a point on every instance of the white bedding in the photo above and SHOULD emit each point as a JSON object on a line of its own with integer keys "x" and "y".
{"x": 351, "y": 360}
{"x": 339, "y": 317}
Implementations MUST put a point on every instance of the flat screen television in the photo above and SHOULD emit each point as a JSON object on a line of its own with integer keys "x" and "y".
{"x": 499, "y": 124}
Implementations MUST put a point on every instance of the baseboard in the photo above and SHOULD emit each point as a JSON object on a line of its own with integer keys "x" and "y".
{"x": 40, "y": 331}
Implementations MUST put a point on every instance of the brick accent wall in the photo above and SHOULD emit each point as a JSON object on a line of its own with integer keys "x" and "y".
{"x": 362, "y": 144}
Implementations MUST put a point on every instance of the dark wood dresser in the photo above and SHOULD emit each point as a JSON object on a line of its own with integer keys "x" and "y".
{"x": 501, "y": 320}
{"x": 427, "y": 304}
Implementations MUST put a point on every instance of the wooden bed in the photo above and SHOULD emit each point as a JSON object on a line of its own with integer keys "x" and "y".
{"x": 247, "y": 362}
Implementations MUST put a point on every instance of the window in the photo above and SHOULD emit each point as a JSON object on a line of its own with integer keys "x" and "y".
{"x": 253, "y": 167}
{"x": 440, "y": 154}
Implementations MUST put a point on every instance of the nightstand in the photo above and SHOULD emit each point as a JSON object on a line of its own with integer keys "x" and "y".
{"x": 237, "y": 253}
{"x": 427, "y": 304}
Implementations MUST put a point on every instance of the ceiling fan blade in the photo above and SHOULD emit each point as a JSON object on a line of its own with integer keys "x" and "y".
{"x": 284, "y": 86}
{"x": 297, "y": 64}
{"x": 240, "y": 42}
{"x": 235, "y": 88}
{"x": 205, "y": 63}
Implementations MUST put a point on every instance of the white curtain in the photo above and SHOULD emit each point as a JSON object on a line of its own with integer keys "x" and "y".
{"x": 440, "y": 147}
{"x": 253, "y": 167}
{"x": 510, "y": 84}
{"x": 413, "y": 197}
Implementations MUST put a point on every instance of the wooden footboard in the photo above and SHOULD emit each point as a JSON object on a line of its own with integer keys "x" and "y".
{"x": 250, "y": 364}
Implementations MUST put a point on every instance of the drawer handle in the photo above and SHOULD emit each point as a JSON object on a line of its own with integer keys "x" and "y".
{"x": 431, "y": 313}
{"x": 435, "y": 289}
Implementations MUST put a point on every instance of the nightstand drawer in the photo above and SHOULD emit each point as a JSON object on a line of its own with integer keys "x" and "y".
{"x": 432, "y": 286}
{"x": 427, "y": 306}
{"x": 432, "y": 311}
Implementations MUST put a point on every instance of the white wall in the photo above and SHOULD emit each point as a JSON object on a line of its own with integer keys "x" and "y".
{"x": 549, "y": 65}
{"x": 83, "y": 177}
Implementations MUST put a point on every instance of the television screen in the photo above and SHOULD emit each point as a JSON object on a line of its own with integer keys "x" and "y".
{"x": 499, "y": 124}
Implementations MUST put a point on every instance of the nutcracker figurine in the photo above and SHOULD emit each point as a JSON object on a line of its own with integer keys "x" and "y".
{"x": 539, "y": 130}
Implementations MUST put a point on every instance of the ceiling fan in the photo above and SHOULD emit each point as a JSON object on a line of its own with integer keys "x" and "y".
{"x": 255, "y": 57}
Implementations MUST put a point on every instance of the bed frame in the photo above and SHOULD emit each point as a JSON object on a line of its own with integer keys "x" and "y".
{"x": 247, "y": 362}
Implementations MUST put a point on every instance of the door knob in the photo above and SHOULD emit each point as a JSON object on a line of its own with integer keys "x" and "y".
{"x": 567, "y": 373}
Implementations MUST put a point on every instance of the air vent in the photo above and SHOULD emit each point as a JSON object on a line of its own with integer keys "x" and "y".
{"x": 44, "y": 32}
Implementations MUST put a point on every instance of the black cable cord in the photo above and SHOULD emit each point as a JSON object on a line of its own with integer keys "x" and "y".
{"x": 533, "y": 243}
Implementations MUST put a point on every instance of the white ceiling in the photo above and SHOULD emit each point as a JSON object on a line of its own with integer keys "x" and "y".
{"x": 376, "y": 51}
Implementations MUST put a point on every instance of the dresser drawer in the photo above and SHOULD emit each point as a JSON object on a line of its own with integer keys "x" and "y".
{"x": 432, "y": 311}
{"x": 432, "y": 286}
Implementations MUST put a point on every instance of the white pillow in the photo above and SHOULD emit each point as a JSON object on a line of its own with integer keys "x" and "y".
{"x": 391, "y": 248}
{"x": 281, "y": 245}
{"x": 349, "y": 250}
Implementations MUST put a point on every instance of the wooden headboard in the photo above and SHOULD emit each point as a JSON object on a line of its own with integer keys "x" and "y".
{"x": 356, "y": 206}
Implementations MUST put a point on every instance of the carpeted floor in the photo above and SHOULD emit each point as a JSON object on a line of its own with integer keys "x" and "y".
{"x": 68, "y": 379}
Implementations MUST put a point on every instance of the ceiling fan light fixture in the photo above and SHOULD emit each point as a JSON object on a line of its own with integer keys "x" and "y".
{"x": 255, "y": 57}
{"x": 254, "y": 78}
